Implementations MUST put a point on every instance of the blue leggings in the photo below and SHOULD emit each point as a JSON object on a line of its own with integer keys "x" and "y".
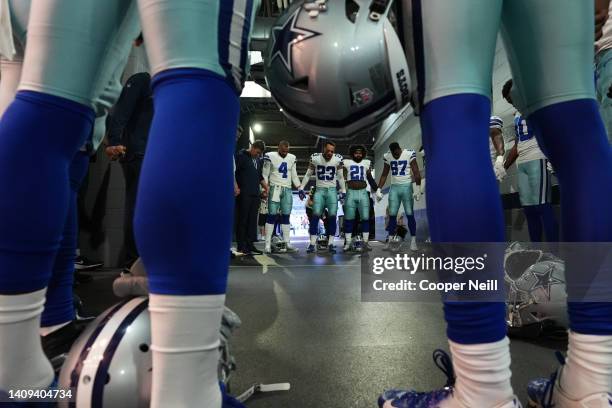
{"x": 463, "y": 205}
{"x": 39, "y": 137}
{"x": 59, "y": 305}
{"x": 179, "y": 202}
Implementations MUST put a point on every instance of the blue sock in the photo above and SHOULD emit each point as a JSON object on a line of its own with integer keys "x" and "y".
{"x": 463, "y": 204}
{"x": 186, "y": 177}
{"x": 331, "y": 223}
{"x": 551, "y": 226}
{"x": 534, "y": 222}
{"x": 348, "y": 226}
{"x": 411, "y": 224}
{"x": 365, "y": 226}
{"x": 392, "y": 225}
{"x": 314, "y": 225}
{"x": 59, "y": 305}
{"x": 39, "y": 136}
{"x": 572, "y": 136}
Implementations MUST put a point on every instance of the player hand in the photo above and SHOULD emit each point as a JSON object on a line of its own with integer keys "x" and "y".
{"x": 342, "y": 197}
{"x": 416, "y": 192}
{"x": 379, "y": 195}
{"x": 302, "y": 194}
{"x": 114, "y": 152}
{"x": 549, "y": 167}
{"x": 498, "y": 167}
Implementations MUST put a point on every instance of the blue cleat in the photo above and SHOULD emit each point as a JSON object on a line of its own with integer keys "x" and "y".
{"x": 547, "y": 393}
{"x": 311, "y": 249}
{"x": 431, "y": 399}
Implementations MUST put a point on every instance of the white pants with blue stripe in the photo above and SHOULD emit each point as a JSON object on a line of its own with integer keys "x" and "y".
{"x": 533, "y": 182}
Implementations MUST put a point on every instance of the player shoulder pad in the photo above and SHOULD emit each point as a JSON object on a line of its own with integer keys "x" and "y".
{"x": 339, "y": 157}
{"x": 386, "y": 157}
{"x": 496, "y": 123}
{"x": 267, "y": 157}
{"x": 411, "y": 154}
{"x": 291, "y": 156}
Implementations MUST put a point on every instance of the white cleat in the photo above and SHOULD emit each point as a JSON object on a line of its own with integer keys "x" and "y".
{"x": 347, "y": 247}
{"x": 413, "y": 244}
{"x": 291, "y": 248}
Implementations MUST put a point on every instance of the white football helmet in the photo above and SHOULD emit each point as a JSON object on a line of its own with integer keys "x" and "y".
{"x": 336, "y": 67}
{"x": 536, "y": 288}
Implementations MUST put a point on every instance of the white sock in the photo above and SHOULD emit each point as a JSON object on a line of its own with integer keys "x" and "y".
{"x": 185, "y": 345}
{"x": 24, "y": 365}
{"x": 483, "y": 374}
{"x": 588, "y": 366}
{"x": 313, "y": 240}
{"x": 44, "y": 331}
{"x": 349, "y": 238}
{"x": 269, "y": 232}
{"x": 286, "y": 228}
{"x": 366, "y": 236}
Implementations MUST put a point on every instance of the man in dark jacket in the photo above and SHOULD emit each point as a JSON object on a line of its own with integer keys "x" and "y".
{"x": 128, "y": 132}
{"x": 249, "y": 180}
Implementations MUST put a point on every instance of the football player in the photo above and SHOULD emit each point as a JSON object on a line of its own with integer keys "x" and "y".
{"x": 404, "y": 189}
{"x": 280, "y": 171}
{"x": 327, "y": 168}
{"x": 357, "y": 170}
{"x": 198, "y": 55}
{"x": 533, "y": 178}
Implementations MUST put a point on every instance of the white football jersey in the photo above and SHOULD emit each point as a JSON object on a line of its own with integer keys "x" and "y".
{"x": 400, "y": 168}
{"x": 326, "y": 172}
{"x": 357, "y": 171}
{"x": 282, "y": 170}
{"x": 527, "y": 145}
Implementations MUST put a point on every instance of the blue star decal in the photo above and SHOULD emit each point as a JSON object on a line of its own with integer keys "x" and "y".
{"x": 287, "y": 35}
{"x": 544, "y": 280}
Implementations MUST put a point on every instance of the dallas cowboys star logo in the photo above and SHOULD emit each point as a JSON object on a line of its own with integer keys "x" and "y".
{"x": 286, "y": 36}
{"x": 544, "y": 280}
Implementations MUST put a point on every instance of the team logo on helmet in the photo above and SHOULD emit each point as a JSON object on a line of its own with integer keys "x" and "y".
{"x": 286, "y": 36}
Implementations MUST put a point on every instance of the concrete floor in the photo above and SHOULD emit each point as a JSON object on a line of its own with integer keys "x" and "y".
{"x": 304, "y": 323}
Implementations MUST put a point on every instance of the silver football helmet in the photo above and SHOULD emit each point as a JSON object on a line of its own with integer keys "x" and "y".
{"x": 278, "y": 244}
{"x": 110, "y": 364}
{"x": 336, "y": 67}
{"x": 536, "y": 288}
{"x": 395, "y": 243}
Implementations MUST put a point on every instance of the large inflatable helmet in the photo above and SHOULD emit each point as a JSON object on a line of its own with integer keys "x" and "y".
{"x": 536, "y": 288}
{"x": 110, "y": 364}
{"x": 336, "y": 67}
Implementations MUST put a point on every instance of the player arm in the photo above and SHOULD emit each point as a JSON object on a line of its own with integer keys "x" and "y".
{"x": 265, "y": 172}
{"x": 601, "y": 16}
{"x": 498, "y": 141}
{"x": 383, "y": 176}
{"x": 306, "y": 178}
{"x": 512, "y": 156}
{"x": 294, "y": 176}
{"x": 341, "y": 179}
{"x": 371, "y": 180}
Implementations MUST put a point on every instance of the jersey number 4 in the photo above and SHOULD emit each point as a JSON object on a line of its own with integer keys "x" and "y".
{"x": 357, "y": 173}
{"x": 326, "y": 173}
{"x": 398, "y": 168}
{"x": 283, "y": 169}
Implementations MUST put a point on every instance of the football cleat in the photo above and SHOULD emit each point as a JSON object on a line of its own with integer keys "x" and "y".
{"x": 347, "y": 247}
{"x": 331, "y": 248}
{"x": 311, "y": 249}
{"x": 431, "y": 399}
{"x": 268, "y": 249}
{"x": 291, "y": 248}
{"x": 83, "y": 264}
{"x": 547, "y": 393}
